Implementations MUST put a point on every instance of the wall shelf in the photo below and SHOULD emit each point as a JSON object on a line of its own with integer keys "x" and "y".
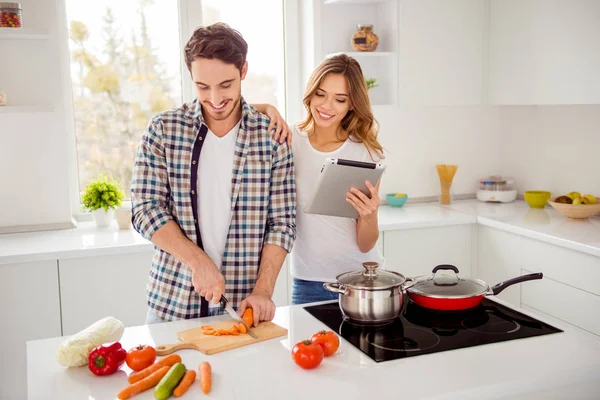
{"x": 355, "y": 1}
{"x": 359, "y": 54}
{"x": 24, "y": 34}
{"x": 26, "y": 109}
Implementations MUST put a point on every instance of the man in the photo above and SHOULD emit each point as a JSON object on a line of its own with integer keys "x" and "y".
{"x": 214, "y": 192}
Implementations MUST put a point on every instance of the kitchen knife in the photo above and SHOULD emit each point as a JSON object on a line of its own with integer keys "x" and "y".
{"x": 236, "y": 316}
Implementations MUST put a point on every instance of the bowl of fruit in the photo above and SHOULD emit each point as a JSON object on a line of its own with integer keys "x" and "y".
{"x": 396, "y": 199}
{"x": 576, "y": 206}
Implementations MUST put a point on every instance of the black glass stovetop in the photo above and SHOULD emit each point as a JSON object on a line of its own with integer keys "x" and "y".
{"x": 419, "y": 331}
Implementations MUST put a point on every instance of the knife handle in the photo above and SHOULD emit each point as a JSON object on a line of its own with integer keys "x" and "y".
{"x": 171, "y": 348}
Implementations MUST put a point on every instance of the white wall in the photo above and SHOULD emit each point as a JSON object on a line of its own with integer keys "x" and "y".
{"x": 554, "y": 148}
{"x": 418, "y": 138}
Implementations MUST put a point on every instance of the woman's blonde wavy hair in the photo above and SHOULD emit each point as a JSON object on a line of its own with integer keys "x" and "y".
{"x": 359, "y": 123}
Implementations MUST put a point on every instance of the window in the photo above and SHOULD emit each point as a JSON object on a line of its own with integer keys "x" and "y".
{"x": 262, "y": 27}
{"x": 126, "y": 66}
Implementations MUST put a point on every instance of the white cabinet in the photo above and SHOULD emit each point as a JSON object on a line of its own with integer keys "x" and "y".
{"x": 92, "y": 288}
{"x": 441, "y": 51}
{"x": 280, "y": 294}
{"x": 569, "y": 290}
{"x": 30, "y": 311}
{"x": 544, "y": 52}
{"x": 415, "y": 252}
{"x": 115, "y": 285}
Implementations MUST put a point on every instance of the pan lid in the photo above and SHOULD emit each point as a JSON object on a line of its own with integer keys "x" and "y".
{"x": 371, "y": 278}
{"x": 444, "y": 286}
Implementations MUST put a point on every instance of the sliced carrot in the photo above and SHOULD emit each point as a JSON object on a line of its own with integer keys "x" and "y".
{"x": 242, "y": 328}
{"x": 234, "y": 328}
{"x": 211, "y": 332}
{"x": 205, "y": 377}
{"x": 185, "y": 383}
{"x": 144, "y": 383}
{"x": 168, "y": 361}
{"x": 207, "y": 327}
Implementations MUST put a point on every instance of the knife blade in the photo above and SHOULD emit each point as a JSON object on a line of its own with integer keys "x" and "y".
{"x": 236, "y": 316}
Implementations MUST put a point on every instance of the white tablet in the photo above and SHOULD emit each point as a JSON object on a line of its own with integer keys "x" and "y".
{"x": 335, "y": 180}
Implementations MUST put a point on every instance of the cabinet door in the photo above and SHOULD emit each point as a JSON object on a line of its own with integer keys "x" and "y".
{"x": 92, "y": 288}
{"x": 280, "y": 294}
{"x": 415, "y": 252}
{"x": 498, "y": 260}
{"x": 441, "y": 52}
{"x": 30, "y": 311}
{"x": 544, "y": 52}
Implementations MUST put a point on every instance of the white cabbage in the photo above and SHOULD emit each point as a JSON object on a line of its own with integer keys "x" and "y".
{"x": 74, "y": 351}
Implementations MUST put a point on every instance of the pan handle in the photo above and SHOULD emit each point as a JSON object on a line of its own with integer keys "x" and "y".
{"x": 336, "y": 288}
{"x": 445, "y": 266}
{"x": 503, "y": 285}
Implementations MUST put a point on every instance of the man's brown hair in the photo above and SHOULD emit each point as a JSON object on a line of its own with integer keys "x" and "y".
{"x": 217, "y": 41}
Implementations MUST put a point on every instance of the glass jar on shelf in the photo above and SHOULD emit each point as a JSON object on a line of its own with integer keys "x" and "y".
{"x": 364, "y": 39}
{"x": 11, "y": 15}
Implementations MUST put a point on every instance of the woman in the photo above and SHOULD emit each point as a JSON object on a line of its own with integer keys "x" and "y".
{"x": 339, "y": 124}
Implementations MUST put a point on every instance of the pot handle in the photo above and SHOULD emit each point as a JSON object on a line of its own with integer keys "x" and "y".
{"x": 503, "y": 285}
{"x": 445, "y": 266}
{"x": 336, "y": 288}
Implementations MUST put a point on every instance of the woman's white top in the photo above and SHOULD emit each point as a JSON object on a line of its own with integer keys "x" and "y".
{"x": 325, "y": 246}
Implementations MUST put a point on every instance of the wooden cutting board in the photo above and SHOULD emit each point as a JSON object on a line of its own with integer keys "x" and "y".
{"x": 196, "y": 339}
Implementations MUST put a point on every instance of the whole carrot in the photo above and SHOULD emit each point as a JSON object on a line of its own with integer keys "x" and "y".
{"x": 205, "y": 377}
{"x": 185, "y": 383}
{"x": 144, "y": 384}
{"x": 167, "y": 361}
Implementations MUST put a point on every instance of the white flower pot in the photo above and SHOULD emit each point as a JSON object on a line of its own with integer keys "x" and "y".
{"x": 102, "y": 218}
{"x": 123, "y": 217}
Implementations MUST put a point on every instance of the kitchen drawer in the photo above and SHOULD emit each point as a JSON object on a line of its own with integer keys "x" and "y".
{"x": 572, "y": 305}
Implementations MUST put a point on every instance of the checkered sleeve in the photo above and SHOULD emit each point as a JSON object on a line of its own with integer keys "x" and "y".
{"x": 281, "y": 229}
{"x": 149, "y": 187}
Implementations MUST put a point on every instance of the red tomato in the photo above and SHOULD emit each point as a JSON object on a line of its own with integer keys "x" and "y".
{"x": 140, "y": 357}
{"x": 307, "y": 354}
{"x": 328, "y": 340}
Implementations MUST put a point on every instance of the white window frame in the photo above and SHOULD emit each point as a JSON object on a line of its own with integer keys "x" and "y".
{"x": 190, "y": 17}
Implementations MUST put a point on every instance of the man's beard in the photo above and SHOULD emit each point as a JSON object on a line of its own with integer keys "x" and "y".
{"x": 222, "y": 116}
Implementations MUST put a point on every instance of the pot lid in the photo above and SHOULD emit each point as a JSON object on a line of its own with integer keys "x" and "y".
{"x": 448, "y": 286}
{"x": 371, "y": 278}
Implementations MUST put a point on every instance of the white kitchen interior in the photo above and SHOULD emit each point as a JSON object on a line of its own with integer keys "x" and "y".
{"x": 497, "y": 87}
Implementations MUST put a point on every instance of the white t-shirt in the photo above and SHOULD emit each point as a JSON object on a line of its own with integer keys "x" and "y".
{"x": 215, "y": 169}
{"x": 325, "y": 246}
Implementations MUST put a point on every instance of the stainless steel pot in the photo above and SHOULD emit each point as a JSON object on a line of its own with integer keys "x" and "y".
{"x": 371, "y": 296}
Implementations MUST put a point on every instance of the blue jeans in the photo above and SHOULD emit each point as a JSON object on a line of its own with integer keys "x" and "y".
{"x": 310, "y": 292}
{"x": 152, "y": 318}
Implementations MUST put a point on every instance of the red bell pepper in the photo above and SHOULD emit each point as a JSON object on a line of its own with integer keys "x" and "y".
{"x": 106, "y": 360}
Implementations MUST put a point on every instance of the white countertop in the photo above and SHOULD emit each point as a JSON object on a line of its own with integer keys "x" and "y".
{"x": 546, "y": 225}
{"x": 560, "y": 365}
{"x": 87, "y": 240}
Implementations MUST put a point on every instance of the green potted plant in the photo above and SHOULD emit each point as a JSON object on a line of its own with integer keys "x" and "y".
{"x": 371, "y": 83}
{"x": 101, "y": 197}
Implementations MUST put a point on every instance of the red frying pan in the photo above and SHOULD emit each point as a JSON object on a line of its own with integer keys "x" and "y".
{"x": 455, "y": 293}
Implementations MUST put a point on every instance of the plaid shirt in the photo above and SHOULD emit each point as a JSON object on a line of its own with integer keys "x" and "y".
{"x": 164, "y": 189}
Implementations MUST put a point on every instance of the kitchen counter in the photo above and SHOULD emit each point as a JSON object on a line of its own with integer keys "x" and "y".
{"x": 546, "y": 225}
{"x": 560, "y": 365}
{"x": 87, "y": 240}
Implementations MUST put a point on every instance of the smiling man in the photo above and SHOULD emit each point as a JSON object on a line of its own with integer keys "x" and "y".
{"x": 214, "y": 192}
